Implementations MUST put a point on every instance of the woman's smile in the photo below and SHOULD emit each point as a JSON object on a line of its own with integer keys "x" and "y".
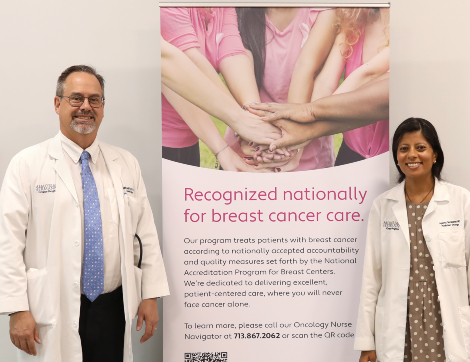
{"x": 414, "y": 165}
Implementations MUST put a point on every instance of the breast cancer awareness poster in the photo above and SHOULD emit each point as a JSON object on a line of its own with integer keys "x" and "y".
{"x": 265, "y": 264}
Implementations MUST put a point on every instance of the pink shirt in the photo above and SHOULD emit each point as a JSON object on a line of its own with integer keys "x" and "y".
{"x": 186, "y": 28}
{"x": 282, "y": 50}
{"x": 371, "y": 140}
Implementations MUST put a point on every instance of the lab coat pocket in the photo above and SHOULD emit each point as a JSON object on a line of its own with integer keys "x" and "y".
{"x": 379, "y": 319}
{"x": 465, "y": 318}
{"x": 40, "y": 297}
{"x": 452, "y": 245}
{"x": 138, "y": 290}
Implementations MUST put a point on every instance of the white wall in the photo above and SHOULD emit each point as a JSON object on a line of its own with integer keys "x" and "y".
{"x": 429, "y": 62}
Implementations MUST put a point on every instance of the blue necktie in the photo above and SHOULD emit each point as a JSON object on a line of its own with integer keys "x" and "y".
{"x": 93, "y": 267}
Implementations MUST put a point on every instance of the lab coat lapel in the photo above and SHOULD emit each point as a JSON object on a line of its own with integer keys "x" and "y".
{"x": 402, "y": 216}
{"x": 399, "y": 209}
{"x": 110, "y": 157}
{"x": 441, "y": 193}
{"x": 397, "y": 194}
{"x": 60, "y": 165}
{"x": 431, "y": 208}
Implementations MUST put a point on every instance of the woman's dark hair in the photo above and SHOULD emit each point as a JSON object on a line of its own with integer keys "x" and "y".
{"x": 429, "y": 133}
{"x": 252, "y": 27}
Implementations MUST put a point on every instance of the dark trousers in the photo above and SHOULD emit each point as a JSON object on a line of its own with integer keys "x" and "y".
{"x": 347, "y": 155}
{"x": 102, "y": 325}
{"x": 187, "y": 155}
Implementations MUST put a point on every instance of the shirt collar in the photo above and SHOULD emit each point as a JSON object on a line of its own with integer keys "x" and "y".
{"x": 75, "y": 151}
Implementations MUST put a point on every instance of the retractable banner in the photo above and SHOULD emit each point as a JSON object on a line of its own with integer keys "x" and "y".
{"x": 267, "y": 266}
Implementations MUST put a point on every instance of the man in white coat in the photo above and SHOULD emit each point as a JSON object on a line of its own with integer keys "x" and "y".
{"x": 80, "y": 256}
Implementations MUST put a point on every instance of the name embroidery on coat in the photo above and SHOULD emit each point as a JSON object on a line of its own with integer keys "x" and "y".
{"x": 449, "y": 223}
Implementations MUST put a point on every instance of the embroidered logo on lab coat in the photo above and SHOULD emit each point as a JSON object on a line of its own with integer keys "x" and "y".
{"x": 128, "y": 190}
{"x": 391, "y": 225}
{"x": 46, "y": 188}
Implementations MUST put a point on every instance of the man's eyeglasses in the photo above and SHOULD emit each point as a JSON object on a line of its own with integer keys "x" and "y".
{"x": 77, "y": 100}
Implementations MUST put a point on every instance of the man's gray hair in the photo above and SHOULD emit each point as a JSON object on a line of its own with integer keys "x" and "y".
{"x": 73, "y": 69}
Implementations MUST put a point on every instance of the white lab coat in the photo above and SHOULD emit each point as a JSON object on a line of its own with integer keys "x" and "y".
{"x": 383, "y": 305}
{"x": 40, "y": 243}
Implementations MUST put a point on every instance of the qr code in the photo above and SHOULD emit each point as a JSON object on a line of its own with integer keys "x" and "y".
{"x": 205, "y": 357}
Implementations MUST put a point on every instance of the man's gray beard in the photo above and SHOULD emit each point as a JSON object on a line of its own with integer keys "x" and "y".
{"x": 83, "y": 127}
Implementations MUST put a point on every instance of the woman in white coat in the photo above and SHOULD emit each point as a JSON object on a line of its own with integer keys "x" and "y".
{"x": 414, "y": 300}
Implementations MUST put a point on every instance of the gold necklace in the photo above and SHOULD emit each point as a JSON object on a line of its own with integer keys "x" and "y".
{"x": 406, "y": 194}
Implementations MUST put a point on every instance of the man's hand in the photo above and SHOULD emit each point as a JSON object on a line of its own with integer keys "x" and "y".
{"x": 24, "y": 332}
{"x": 302, "y": 113}
{"x": 368, "y": 356}
{"x": 148, "y": 312}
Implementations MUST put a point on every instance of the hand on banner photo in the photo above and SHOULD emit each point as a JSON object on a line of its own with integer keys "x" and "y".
{"x": 250, "y": 127}
{"x": 289, "y": 166}
{"x": 294, "y": 121}
{"x": 280, "y": 160}
{"x": 24, "y": 332}
{"x": 294, "y": 135}
{"x": 230, "y": 161}
{"x": 280, "y": 154}
{"x": 261, "y": 153}
{"x": 368, "y": 356}
{"x": 148, "y": 312}
{"x": 330, "y": 115}
{"x": 279, "y": 166}
{"x": 302, "y": 113}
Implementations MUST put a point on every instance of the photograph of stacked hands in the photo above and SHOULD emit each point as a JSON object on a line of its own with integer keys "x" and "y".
{"x": 281, "y": 66}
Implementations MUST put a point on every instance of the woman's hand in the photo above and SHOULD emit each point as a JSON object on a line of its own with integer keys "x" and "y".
{"x": 230, "y": 161}
{"x": 293, "y": 134}
{"x": 271, "y": 166}
{"x": 292, "y": 164}
{"x": 277, "y": 166}
{"x": 302, "y": 113}
{"x": 251, "y": 149}
{"x": 367, "y": 356}
{"x": 261, "y": 153}
{"x": 280, "y": 154}
{"x": 252, "y": 128}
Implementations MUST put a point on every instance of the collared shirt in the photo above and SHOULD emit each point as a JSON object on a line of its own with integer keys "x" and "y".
{"x": 108, "y": 206}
